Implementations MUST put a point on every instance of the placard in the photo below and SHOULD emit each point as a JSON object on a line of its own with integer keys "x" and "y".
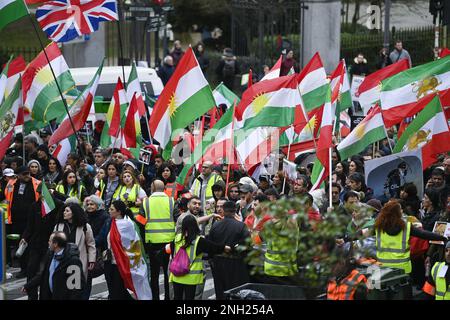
{"x": 386, "y": 175}
{"x": 145, "y": 156}
{"x": 442, "y": 228}
{"x": 356, "y": 82}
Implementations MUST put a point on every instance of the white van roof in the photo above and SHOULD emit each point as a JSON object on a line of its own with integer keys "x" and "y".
{"x": 109, "y": 75}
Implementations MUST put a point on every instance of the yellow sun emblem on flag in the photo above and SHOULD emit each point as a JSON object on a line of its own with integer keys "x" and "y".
{"x": 173, "y": 106}
{"x": 43, "y": 76}
{"x": 259, "y": 102}
{"x": 360, "y": 130}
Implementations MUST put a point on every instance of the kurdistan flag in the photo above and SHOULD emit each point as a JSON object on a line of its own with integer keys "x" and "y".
{"x": 274, "y": 103}
{"x": 313, "y": 83}
{"x": 368, "y": 131}
{"x": 223, "y": 95}
{"x": 401, "y": 92}
{"x": 216, "y": 144}
{"x": 428, "y": 131}
{"x": 9, "y": 76}
{"x": 186, "y": 97}
{"x": 11, "y": 10}
{"x": 40, "y": 93}
{"x": 114, "y": 117}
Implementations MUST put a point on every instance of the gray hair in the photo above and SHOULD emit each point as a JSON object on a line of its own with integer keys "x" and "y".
{"x": 95, "y": 199}
{"x": 167, "y": 58}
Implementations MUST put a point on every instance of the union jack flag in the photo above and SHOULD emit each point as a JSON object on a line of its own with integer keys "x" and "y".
{"x": 65, "y": 20}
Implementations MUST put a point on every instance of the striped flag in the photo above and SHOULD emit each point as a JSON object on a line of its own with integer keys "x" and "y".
{"x": 9, "y": 76}
{"x": 128, "y": 251}
{"x": 186, "y": 97}
{"x": 340, "y": 87}
{"x": 131, "y": 133}
{"x": 313, "y": 83}
{"x": 428, "y": 131}
{"x": 370, "y": 89}
{"x": 114, "y": 117}
{"x": 48, "y": 205}
{"x": 63, "y": 149}
{"x": 368, "y": 131}
{"x": 10, "y": 11}
{"x": 79, "y": 111}
{"x": 9, "y": 111}
{"x": 134, "y": 86}
{"x": 40, "y": 94}
{"x": 274, "y": 103}
{"x": 275, "y": 71}
{"x": 223, "y": 95}
{"x": 401, "y": 92}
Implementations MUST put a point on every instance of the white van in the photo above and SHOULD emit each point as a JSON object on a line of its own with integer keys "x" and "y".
{"x": 109, "y": 76}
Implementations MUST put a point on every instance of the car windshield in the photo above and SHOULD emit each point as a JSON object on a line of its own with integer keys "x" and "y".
{"x": 106, "y": 90}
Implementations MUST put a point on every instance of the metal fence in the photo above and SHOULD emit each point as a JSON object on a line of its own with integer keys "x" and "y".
{"x": 27, "y": 53}
{"x": 419, "y": 42}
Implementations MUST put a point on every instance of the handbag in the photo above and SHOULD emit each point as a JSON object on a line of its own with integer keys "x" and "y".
{"x": 99, "y": 267}
{"x": 180, "y": 264}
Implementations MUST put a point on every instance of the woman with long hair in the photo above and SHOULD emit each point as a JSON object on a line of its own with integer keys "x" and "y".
{"x": 355, "y": 166}
{"x": 54, "y": 174}
{"x": 189, "y": 239}
{"x": 125, "y": 265}
{"x": 167, "y": 175}
{"x": 73, "y": 222}
{"x": 130, "y": 191}
{"x": 71, "y": 187}
{"x": 278, "y": 181}
{"x": 393, "y": 234}
{"x": 109, "y": 184}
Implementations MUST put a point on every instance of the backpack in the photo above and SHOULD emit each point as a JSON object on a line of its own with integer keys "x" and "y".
{"x": 180, "y": 264}
{"x": 229, "y": 68}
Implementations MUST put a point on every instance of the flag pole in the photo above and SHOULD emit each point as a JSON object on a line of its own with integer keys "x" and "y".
{"x": 330, "y": 176}
{"x": 54, "y": 76}
{"x": 288, "y": 153}
{"x": 387, "y": 137}
{"x": 231, "y": 147}
{"x": 147, "y": 116}
{"x": 120, "y": 15}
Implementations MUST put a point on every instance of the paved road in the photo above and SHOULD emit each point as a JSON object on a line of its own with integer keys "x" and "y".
{"x": 99, "y": 289}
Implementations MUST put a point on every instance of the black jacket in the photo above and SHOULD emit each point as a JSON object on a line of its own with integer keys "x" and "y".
{"x": 229, "y": 232}
{"x": 39, "y": 228}
{"x": 97, "y": 220}
{"x": 429, "y": 219}
{"x": 165, "y": 72}
{"x": 61, "y": 277}
{"x": 21, "y": 204}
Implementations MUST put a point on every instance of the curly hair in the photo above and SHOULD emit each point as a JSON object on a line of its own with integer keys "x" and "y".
{"x": 390, "y": 217}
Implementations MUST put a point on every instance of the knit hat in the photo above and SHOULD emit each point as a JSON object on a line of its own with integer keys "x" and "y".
{"x": 34, "y": 161}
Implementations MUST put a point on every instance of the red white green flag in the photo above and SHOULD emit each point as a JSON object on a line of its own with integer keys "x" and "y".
{"x": 271, "y": 103}
{"x": 401, "y": 92}
{"x": 114, "y": 118}
{"x": 131, "y": 134}
{"x": 313, "y": 83}
{"x": 9, "y": 76}
{"x": 340, "y": 88}
{"x": 186, "y": 97}
{"x": 9, "y": 111}
{"x": 48, "y": 205}
{"x": 275, "y": 71}
{"x": 428, "y": 131}
{"x": 134, "y": 86}
{"x": 40, "y": 93}
{"x": 79, "y": 111}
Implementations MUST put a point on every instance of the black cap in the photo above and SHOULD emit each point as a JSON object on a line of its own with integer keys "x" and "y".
{"x": 22, "y": 169}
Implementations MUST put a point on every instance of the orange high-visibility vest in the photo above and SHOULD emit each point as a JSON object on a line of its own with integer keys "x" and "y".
{"x": 9, "y": 194}
{"x": 171, "y": 190}
{"x": 346, "y": 289}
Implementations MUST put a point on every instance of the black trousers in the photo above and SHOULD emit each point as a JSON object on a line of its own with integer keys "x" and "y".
{"x": 183, "y": 291}
{"x": 116, "y": 288}
{"x": 36, "y": 259}
{"x": 228, "y": 273}
{"x": 11, "y": 245}
{"x": 158, "y": 258}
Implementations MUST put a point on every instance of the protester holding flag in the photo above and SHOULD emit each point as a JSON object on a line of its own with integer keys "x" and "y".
{"x": 129, "y": 191}
{"x": 125, "y": 261}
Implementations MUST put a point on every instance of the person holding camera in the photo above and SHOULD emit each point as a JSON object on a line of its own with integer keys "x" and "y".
{"x": 383, "y": 58}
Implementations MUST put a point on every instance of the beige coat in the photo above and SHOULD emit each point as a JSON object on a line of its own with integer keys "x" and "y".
{"x": 85, "y": 243}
